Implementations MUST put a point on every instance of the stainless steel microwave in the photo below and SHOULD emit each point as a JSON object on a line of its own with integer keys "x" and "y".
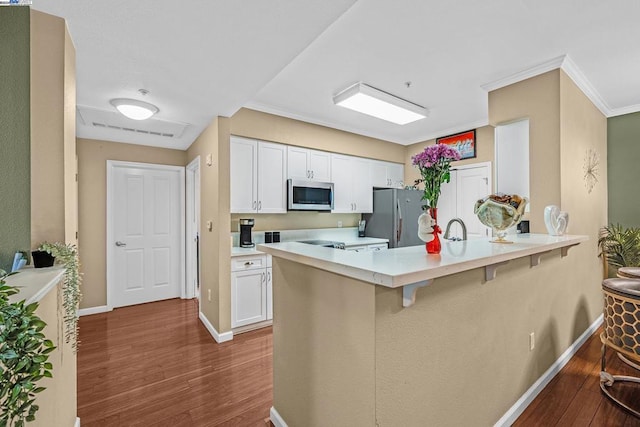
{"x": 309, "y": 196}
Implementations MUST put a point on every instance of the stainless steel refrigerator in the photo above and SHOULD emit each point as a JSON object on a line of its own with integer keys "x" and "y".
{"x": 395, "y": 217}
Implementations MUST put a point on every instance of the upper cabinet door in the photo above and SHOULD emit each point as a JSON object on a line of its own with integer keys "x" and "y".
{"x": 395, "y": 173}
{"x": 379, "y": 174}
{"x": 297, "y": 163}
{"x": 243, "y": 177}
{"x": 342, "y": 184}
{"x": 320, "y": 166}
{"x": 362, "y": 188}
{"x": 272, "y": 177}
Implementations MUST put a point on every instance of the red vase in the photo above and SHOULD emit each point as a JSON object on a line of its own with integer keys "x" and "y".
{"x": 434, "y": 246}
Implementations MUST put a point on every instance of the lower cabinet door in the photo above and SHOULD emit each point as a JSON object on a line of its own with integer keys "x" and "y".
{"x": 269, "y": 294}
{"x": 248, "y": 297}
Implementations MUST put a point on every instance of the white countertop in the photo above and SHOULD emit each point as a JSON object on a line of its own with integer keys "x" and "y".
{"x": 356, "y": 241}
{"x": 403, "y": 266}
{"x": 236, "y": 251}
{"x": 34, "y": 283}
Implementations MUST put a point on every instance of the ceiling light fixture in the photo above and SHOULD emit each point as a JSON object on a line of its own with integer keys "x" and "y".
{"x": 134, "y": 109}
{"x": 374, "y": 102}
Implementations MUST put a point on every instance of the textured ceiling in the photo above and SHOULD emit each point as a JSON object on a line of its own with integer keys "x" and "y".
{"x": 202, "y": 59}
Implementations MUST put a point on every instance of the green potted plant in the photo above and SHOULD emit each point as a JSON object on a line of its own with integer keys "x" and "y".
{"x": 620, "y": 246}
{"x": 67, "y": 255}
{"x": 24, "y": 354}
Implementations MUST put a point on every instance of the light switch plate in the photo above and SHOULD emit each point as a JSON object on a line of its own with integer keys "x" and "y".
{"x": 209, "y": 159}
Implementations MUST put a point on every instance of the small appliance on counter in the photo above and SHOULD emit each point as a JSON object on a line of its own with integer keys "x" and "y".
{"x": 246, "y": 225}
{"x": 362, "y": 224}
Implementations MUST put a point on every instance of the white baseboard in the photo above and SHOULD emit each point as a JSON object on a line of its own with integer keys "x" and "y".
{"x": 220, "y": 338}
{"x": 276, "y": 419}
{"x": 94, "y": 310}
{"x": 521, "y": 404}
{"x": 77, "y": 424}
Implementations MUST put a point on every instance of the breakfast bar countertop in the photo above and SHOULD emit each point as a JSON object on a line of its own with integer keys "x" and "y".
{"x": 404, "y": 266}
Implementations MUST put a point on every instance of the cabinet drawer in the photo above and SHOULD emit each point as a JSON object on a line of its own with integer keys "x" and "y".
{"x": 248, "y": 262}
{"x": 356, "y": 248}
{"x": 378, "y": 247}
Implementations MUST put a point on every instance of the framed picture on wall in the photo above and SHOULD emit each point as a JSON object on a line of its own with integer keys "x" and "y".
{"x": 464, "y": 143}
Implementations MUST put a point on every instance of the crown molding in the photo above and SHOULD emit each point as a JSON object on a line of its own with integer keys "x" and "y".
{"x": 571, "y": 69}
{"x": 566, "y": 64}
{"x": 525, "y": 74}
{"x": 624, "y": 110}
{"x": 452, "y": 131}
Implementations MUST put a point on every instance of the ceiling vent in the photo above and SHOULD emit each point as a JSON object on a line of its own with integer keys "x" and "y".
{"x": 112, "y": 120}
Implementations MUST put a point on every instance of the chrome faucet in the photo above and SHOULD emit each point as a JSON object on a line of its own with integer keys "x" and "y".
{"x": 464, "y": 229}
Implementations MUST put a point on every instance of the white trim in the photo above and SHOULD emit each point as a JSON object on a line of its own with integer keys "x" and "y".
{"x": 566, "y": 64}
{"x": 276, "y": 419}
{"x": 624, "y": 110}
{"x": 219, "y": 337}
{"x": 111, "y": 165}
{"x": 94, "y": 310}
{"x": 525, "y": 74}
{"x": 525, "y": 400}
{"x": 453, "y": 130}
{"x": 571, "y": 69}
{"x": 192, "y": 187}
{"x": 77, "y": 423}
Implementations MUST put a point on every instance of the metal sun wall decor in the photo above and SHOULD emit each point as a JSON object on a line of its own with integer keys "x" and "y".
{"x": 590, "y": 168}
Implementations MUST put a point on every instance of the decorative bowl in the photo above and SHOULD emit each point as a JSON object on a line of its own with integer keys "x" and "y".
{"x": 500, "y": 215}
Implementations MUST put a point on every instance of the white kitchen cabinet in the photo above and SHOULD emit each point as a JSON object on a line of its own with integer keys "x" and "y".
{"x": 258, "y": 176}
{"x": 374, "y": 247}
{"x": 352, "y": 188}
{"x": 309, "y": 165}
{"x": 269, "y": 293}
{"x": 251, "y": 290}
{"x": 387, "y": 174}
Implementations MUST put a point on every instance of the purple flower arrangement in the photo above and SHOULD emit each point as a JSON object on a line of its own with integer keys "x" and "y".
{"x": 434, "y": 164}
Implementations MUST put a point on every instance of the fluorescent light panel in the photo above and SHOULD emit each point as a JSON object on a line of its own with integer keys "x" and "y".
{"x": 382, "y": 105}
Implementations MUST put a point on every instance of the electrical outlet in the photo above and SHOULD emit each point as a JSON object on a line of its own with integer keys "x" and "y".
{"x": 339, "y": 224}
{"x": 209, "y": 295}
{"x": 532, "y": 341}
{"x": 209, "y": 225}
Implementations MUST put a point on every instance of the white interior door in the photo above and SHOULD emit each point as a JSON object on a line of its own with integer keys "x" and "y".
{"x": 472, "y": 184}
{"x": 193, "y": 229}
{"x": 146, "y": 235}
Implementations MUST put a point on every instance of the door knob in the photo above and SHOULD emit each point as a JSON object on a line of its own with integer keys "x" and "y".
{"x": 119, "y": 243}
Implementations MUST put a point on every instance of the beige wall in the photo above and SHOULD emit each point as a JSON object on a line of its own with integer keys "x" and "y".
{"x": 538, "y": 99}
{"x": 92, "y": 188}
{"x": 215, "y": 247}
{"x": 48, "y": 123}
{"x": 484, "y": 153}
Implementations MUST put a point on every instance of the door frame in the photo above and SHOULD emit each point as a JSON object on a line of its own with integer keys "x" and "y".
{"x": 111, "y": 166}
{"x": 192, "y": 203}
{"x": 479, "y": 165}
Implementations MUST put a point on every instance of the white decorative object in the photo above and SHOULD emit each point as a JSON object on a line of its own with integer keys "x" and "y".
{"x": 425, "y": 227}
{"x": 555, "y": 220}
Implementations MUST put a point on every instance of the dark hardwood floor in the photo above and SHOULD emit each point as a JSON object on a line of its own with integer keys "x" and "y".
{"x": 156, "y": 365}
{"x": 573, "y": 397}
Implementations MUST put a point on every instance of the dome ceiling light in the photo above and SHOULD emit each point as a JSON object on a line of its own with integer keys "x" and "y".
{"x": 135, "y": 109}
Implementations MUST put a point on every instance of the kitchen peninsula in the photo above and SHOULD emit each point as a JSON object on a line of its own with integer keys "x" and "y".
{"x": 361, "y": 340}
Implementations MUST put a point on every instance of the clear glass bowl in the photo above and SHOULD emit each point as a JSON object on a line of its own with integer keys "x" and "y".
{"x": 499, "y": 216}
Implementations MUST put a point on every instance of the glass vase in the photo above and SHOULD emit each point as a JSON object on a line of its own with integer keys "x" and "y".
{"x": 434, "y": 246}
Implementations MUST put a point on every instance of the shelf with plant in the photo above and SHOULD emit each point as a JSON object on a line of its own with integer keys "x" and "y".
{"x": 67, "y": 255}
{"x": 24, "y": 354}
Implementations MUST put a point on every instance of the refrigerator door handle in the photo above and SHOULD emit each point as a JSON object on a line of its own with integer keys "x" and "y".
{"x": 399, "y": 233}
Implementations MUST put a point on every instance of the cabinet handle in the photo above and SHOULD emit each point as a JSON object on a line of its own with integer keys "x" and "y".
{"x": 268, "y": 276}
{"x": 312, "y": 174}
{"x": 248, "y": 263}
{"x": 308, "y": 174}
{"x": 263, "y": 277}
{"x": 260, "y": 205}
{"x": 355, "y": 206}
{"x": 254, "y": 205}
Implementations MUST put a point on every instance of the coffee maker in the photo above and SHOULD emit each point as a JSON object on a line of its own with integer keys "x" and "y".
{"x": 245, "y": 233}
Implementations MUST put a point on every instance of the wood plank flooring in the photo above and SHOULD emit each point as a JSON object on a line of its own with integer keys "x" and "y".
{"x": 156, "y": 365}
{"x": 573, "y": 397}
